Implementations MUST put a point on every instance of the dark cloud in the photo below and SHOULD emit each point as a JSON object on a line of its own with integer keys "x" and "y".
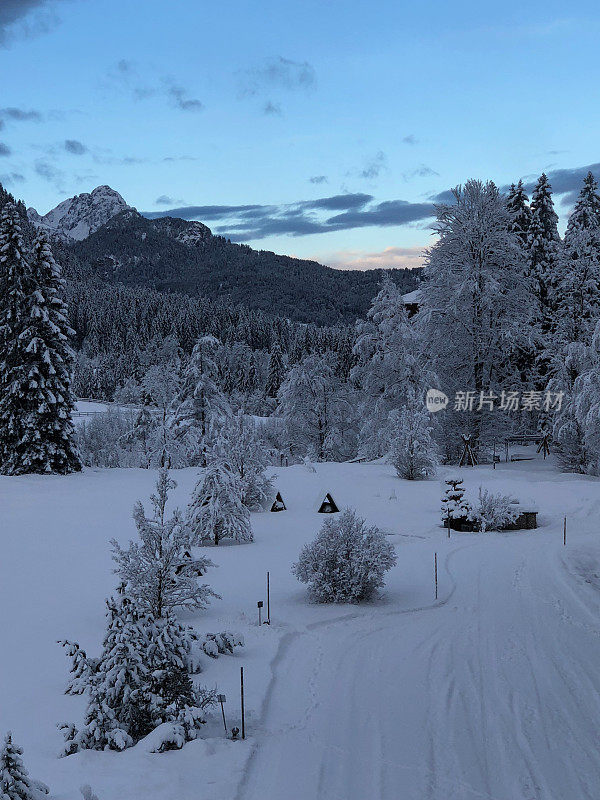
{"x": 247, "y": 222}
{"x": 164, "y": 200}
{"x": 16, "y": 12}
{"x": 272, "y": 109}
{"x": 75, "y": 147}
{"x": 319, "y": 179}
{"x": 12, "y": 114}
{"x": 410, "y": 139}
{"x": 4, "y": 149}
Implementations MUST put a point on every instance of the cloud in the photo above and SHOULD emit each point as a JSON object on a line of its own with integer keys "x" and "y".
{"x": 423, "y": 171}
{"x": 280, "y": 72}
{"x": 15, "y": 18}
{"x": 12, "y": 114}
{"x": 164, "y": 200}
{"x": 127, "y": 76}
{"x": 272, "y": 109}
{"x": 75, "y": 147}
{"x": 374, "y": 166}
{"x": 389, "y": 258}
{"x": 8, "y": 178}
{"x": 4, "y": 149}
{"x": 318, "y": 179}
{"x": 46, "y": 170}
{"x": 177, "y": 95}
{"x": 251, "y": 222}
{"x": 410, "y": 139}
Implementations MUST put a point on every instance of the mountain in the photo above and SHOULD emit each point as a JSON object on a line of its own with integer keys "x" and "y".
{"x": 77, "y": 217}
{"x": 111, "y": 241}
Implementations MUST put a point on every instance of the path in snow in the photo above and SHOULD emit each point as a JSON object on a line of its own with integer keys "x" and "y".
{"x": 493, "y": 694}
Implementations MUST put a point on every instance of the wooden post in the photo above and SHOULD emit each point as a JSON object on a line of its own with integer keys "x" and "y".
{"x": 435, "y": 571}
{"x": 260, "y": 606}
{"x": 242, "y": 697}
{"x": 448, "y": 523}
{"x": 494, "y": 456}
{"x": 268, "y": 600}
{"x": 565, "y": 532}
{"x": 221, "y": 698}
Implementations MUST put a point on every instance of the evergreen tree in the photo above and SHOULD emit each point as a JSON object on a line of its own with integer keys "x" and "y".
{"x": 389, "y": 367}
{"x": 35, "y": 372}
{"x": 14, "y": 778}
{"x": 201, "y": 403}
{"x": 276, "y": 372}
{"x": 578, "y": 299}
{"x": 158, "y": 571}
{"x": 543, "y": 245}
{"x": 519, "y": 212}
{"x": 216, "y": 510}
{"x": 476, "y": 304}
{"x": 241, "y": 449}
{"x": 454, "y": 505}
{"x": 413, "y": 450}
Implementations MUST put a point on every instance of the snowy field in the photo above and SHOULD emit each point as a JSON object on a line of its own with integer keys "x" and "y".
{"x": 492, "y": 691}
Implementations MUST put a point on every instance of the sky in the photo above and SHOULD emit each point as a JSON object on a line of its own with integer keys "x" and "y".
{"x": 314, "y": 128}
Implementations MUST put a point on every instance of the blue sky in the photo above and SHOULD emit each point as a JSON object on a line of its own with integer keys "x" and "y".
{"x": 319, "y": 129}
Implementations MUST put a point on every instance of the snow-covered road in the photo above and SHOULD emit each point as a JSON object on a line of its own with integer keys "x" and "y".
{"x": 493, "y": 693}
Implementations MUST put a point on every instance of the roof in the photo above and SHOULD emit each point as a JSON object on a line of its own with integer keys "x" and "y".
{"x": 412, "y": 297}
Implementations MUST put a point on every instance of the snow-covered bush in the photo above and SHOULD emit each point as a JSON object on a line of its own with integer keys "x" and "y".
{"x": 216, "y": 644}
{"x": 346, "y": 562}
{"x": 413, "y": 451}
{"x": 216, "y": 510}
{"x": 493, "y": 511}
{"x": 102, "y": 439}
{"x": 87, "y": 793}
{"x": 158, "y": 571}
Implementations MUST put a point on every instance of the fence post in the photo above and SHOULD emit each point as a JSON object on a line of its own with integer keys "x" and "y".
{"x": 436, "y": 578}
{"x": 242, "y": 698}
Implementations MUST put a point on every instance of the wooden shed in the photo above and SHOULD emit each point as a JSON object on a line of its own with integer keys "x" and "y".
{"x": 278, "y": 503}
{"x": 328, "y": 505}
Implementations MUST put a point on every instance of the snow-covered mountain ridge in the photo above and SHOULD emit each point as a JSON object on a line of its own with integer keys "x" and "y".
{"x": 77, "y": 217}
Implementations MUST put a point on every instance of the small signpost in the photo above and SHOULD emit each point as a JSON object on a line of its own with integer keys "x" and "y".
{"x": 242, "y": 699}
{"x": 260, "y": 607}
{"x": 222, "y": 699}
{"x": 268, "y": 620}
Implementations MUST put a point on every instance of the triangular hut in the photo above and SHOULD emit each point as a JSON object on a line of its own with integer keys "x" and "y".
{"x": 328, "y": 506}
{"x": 278, "y": 503}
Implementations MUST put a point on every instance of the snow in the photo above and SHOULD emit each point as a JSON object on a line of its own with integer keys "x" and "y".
{"x": 77, "y": 217}
{"x": 492, "y": 691}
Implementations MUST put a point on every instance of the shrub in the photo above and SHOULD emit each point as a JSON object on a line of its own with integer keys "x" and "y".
{"x": 346, "y": 562}
{"x": 493, "y": 512}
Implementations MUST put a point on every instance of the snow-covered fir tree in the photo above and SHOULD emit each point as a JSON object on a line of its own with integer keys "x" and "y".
{"x": 117, "y": 713}
{"x": 141, "y": 680}
{"x": 158, "y": 571}
{"x": 200, "y": 403}
{"x": 454, "y": 504}
{"x": 476, "y": 307}
{"x": 413, "y": 450}
{"x": 15, "y": 783}
{"x": 389, "y": 367}
{"x": 578, "y": 298}
{"x": 313, "y": 404}
{"x": 543, "y": 248}
{"x": 346, "y": 562}
{"x": 276, "y": 372}
{"x": 239, "y": 446}
{"x": 517, "y": 203}
{"x": 36, "y": 401}
{"x": 216, "y": 510}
